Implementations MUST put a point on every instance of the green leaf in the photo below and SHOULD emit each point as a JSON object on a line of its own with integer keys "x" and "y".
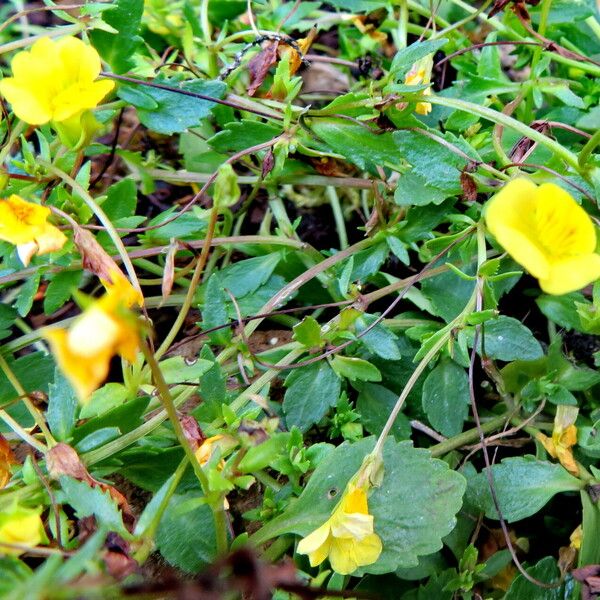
{"x": 413, "y": 510}
{"x": 311, "y": 391}
{"x": 214, "y": 311}
{"x": 121, "y": 199}
{"x": 379, "y": 340}
{"x": 177, "y": 369}
{"x": 226, "y": 189}
{"x": 562, "y": 309}
{"x": 367, "y": 262}
{"x": 62, "y": 407}
{"x": 566, "y": 11}
{"x": 564, "y": 94}
{"x": 438, "y": 165}
{"x": 187, "y": 540}
{"x": 354, "y": 104}
{"x": 361, "y": 145}
{"x": 124, "y": 417}
{"x": 523, "y": 486}
{"x": 355, "y": 369}
{"x": 508, "y": 339}
{"x": 109, "y": 396}
{"x": 97, "y": 438}
{"x": 545, "y": 570}
{"x": 60, "y": 289}
{"x": 408, "y": 56}
{"x": 175, "y": 112}
{"x": 27, "y": 294}
{"x": 246, "y": 276}
{"x": 446, "y": 397}
{"x": 375, "y": 403}
{"x": 308, "y": 332}
{"x": 590, "y": 120}
{"x": 448, "y": 293}
{"x": 92, "y": 501}
{"x": 117, "y": 49}
{"x": 7, "y": 319}
{"x": 15, "y": 573}
{"x": 213, "y": 388}
{"x": 590, "y": 549}
{"x": 414, "y": 190}
{"x": 239, "y": 135}
{"x": 261, "y": 456}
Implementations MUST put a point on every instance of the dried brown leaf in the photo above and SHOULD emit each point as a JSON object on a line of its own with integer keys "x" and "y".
{"x": 259, "y": 65}
{"x": 63, "y": 460}
{"x": 193, "y": 434}
{"x": 7, "y": 458}
{"x": 93, "y": 256}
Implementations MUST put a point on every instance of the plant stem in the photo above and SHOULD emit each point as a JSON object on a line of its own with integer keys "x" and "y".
{"x": 189, "y": 297}
{"x": 466, "y": 437}
{"x": 26, "y": 437}
{"x": 338, "y": 216}
{"x": 537, "y": 54}
{"x": 167, "y": 402}
{"x": 17, "y": 130}
{"x": 169, "y": 406}
{"x": 55, "y": 32}
{"x": 586, "y": 151}
{"x": 149, "y": 532}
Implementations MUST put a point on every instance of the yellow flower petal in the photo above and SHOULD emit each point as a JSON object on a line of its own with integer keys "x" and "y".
{"x": 50, "y": 239}
{"x": 523, "y": 249}
{"x": 355, "y": 500}
{"x": 23, "y": 527}
{"x": 27, "y": 104}
{"x": 26, "y": 252}
{"x": 342, "y": 556}
{"x": 369, "y": 550}
{"x": 353, "y": 525}
{"x": 561, "y": 223}
{"x": 85, "y": 374}
{"x": 547, "y": 443}
{"x": 93, "y": 332}
{"x": 316, "y": 544}
{"x": 571, "y": 274}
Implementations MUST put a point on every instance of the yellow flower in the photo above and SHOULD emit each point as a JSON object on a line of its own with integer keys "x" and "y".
{"x": 564, "y": 437}
{"x": 347, "y": 537}
{"x": 420, "y": 73}
{"x": 22, "y": 526}
{"x": 207, "y": 448}
{"x": 55, "y": 81}
{"x": 576, "y": 538}
{"x": 84, "y": 351}
{"x": 547, "y": 232}
{"x": 25, "y": 224}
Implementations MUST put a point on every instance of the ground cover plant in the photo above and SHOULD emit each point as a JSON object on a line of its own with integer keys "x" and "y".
{"x": 299, "y": 299}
